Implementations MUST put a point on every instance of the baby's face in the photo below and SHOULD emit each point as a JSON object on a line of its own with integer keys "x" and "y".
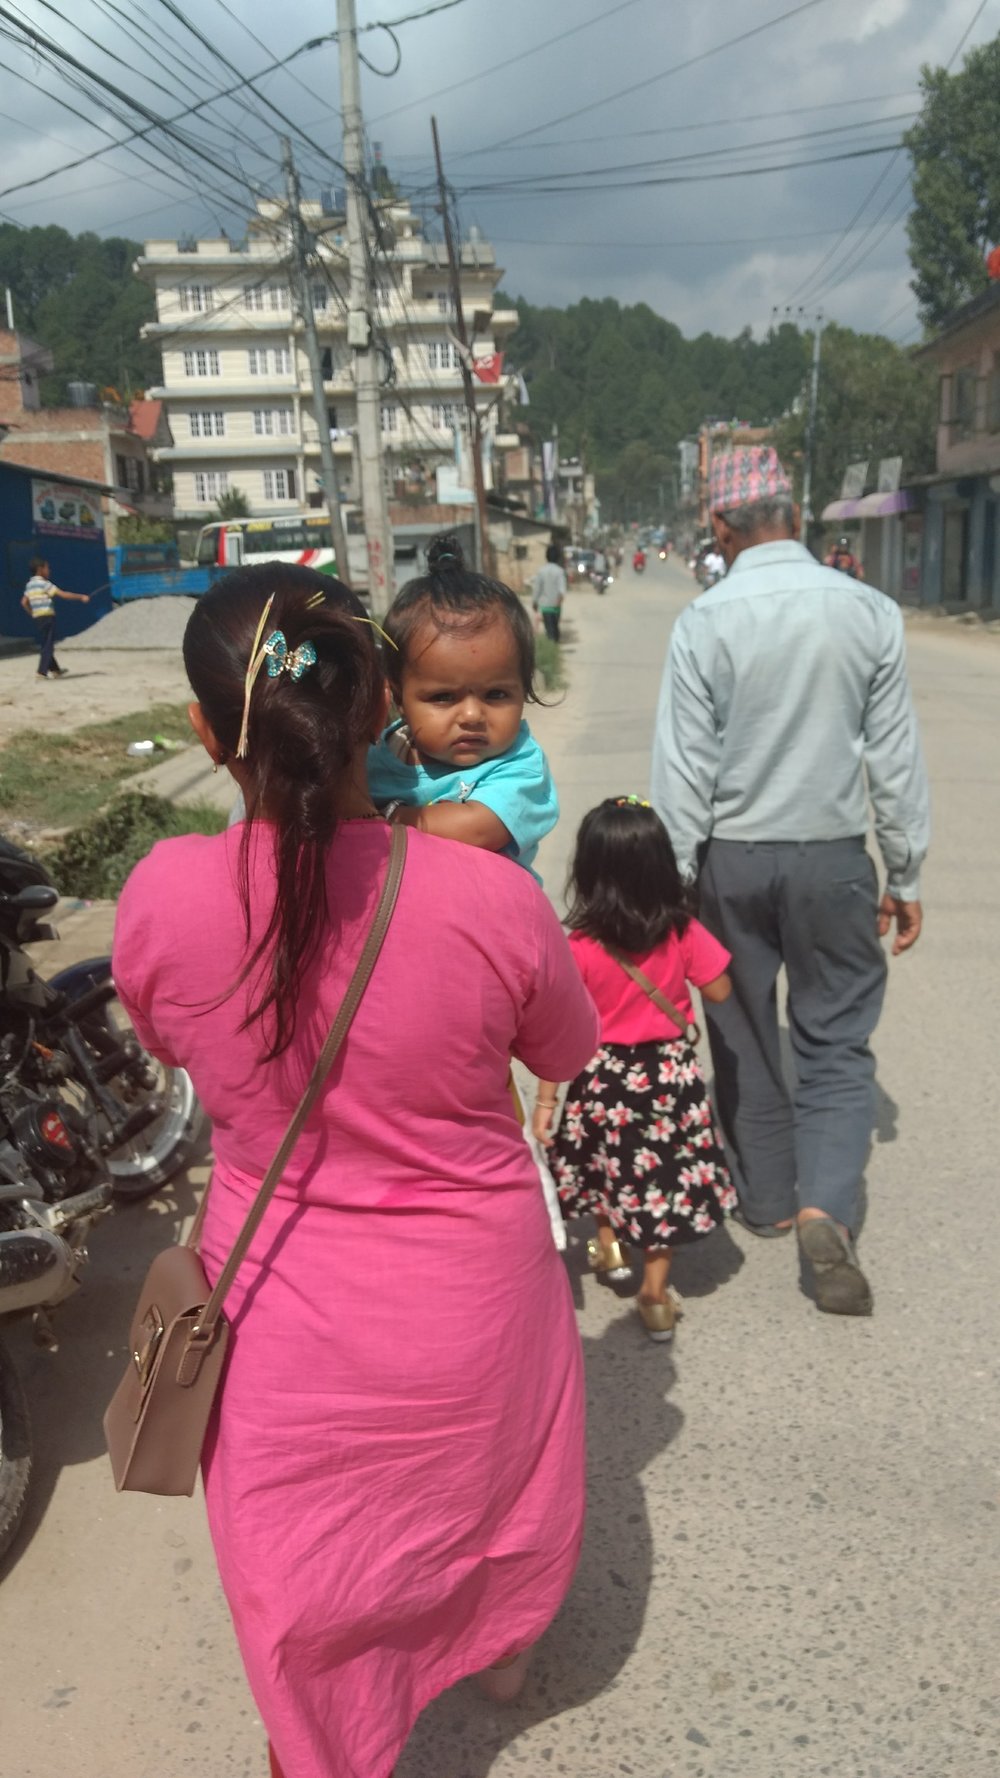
{"x": 462, "y": 695}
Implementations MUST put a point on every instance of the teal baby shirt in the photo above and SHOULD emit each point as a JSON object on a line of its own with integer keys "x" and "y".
{"x": 517, "y": 786}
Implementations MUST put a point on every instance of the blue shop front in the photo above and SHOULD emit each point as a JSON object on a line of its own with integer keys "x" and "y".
{"x": 61, "y": 519}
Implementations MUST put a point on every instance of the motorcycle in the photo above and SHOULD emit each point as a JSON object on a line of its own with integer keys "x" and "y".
{"x": 601, "y": 579}
{"x": 87, "y": 1118}
{"x": 638, "y": 564}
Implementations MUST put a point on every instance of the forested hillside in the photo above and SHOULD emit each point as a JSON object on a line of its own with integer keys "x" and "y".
{"x": 624, "y": 385}
{"x": 77, "y": 295}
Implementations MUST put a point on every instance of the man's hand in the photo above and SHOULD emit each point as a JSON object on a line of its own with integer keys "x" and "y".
{"x": 909, "y": 918}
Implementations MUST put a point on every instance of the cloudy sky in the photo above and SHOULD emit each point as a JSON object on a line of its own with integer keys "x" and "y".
{"x": 607, "y": 149}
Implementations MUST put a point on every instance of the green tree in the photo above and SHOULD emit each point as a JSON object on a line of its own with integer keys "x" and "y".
{"x": 956, "y": 182}
{"x": 79, "y": 297}
{"x": 874, "y": 401}
{"x": 233, "y": 505}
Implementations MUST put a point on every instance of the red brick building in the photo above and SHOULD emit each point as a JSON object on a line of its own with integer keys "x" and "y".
{"x": 101, "y": 441}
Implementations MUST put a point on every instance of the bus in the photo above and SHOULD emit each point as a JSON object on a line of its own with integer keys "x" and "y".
{"x": 302, "y": 537}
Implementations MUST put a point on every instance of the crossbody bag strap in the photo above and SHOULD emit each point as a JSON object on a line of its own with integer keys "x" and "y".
{"x": 203, "y": 1333}
{"x": 656, "y": 995}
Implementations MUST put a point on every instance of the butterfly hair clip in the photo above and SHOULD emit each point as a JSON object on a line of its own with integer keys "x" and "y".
{"x": 280, "y": 661}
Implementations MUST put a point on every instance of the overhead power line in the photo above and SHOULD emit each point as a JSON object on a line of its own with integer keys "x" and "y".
{"x": 535, "y": 49}
{"x": 813, "y": 282}
{"x": 540, "y": 190}
{"x": 637, "y": 86}
{"x": 684, "y": 129}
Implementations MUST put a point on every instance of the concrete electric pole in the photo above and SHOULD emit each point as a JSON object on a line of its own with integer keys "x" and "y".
{"x": 307, "y": 314}
{"x": 359, "y": 329}
{"x": 807, "y": 472}
{"x": 483, "y": 551}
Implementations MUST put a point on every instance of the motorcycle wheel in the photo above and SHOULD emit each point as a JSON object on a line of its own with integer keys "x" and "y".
{"x": 142, "y": 1166}
{"x": 15, "y": 1452}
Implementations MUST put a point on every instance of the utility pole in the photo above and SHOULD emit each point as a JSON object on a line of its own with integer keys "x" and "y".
{"x": 483, "y": 551}
{"x": 807, "y": 473}
{"x": 307, "y": 315}
{"x": 359, "y": 329}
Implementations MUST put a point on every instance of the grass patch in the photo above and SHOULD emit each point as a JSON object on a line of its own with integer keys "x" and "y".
{"x": 548, "y": 656}
{"x": 61, "y": 780}
{"x": 94, "y": 860}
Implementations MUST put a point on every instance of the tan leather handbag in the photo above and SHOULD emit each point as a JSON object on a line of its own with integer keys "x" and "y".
{"x": 156, "y": 1422}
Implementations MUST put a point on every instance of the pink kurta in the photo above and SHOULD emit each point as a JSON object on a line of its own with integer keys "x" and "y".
{"x": 395, "y": 1483}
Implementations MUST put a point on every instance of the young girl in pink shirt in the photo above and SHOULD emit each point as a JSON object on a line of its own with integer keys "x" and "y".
{"x": 637, "y": 1147}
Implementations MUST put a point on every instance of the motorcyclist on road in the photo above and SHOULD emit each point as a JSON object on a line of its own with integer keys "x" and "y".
{"x": 639, "y": 559}
{"x": 842, "y": 557}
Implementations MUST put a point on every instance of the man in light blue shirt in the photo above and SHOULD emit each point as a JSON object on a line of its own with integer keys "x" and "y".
{"x": 785, "y": 708}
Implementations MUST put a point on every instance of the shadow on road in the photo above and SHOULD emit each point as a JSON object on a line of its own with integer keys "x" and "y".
{"x": 69, "y": 1388}
{"x": 630, "y": 1422}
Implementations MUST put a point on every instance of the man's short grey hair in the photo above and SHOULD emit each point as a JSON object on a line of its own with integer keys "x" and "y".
{"x": 761, "y": 515}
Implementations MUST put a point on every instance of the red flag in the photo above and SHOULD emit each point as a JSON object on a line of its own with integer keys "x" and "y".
{"x": 488, "y": 369}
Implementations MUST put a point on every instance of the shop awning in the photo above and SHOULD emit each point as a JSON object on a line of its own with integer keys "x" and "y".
{"x": 872, "y": 506}
{"x": 882, "y": 506}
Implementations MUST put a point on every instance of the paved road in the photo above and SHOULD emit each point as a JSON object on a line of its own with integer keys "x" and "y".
{"x": 791, "y": 1566}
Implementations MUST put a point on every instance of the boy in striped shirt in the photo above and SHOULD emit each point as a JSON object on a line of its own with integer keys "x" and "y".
{"x": 38, "y": 601}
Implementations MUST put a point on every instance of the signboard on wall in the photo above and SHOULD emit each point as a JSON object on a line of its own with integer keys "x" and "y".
{"x": 889, "y": 471}
{"x": 58, "y": 510}
{"x": 855, "y": 476}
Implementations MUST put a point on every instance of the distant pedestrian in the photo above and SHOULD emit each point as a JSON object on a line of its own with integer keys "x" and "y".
{"x": 548, "y": 590}
{"x": 38, "y": 601}
{"x": 785, "y": 708}
{"x": 637, "y": 1148}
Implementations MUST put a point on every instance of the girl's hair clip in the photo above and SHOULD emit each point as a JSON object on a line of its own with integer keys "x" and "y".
{"x": 634, "y": 802}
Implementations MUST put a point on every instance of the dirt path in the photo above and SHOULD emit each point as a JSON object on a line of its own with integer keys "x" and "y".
{"x": 128, "y": 661}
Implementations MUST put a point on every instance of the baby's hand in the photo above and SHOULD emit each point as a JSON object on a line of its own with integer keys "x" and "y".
{"x": 541, "y": 1123}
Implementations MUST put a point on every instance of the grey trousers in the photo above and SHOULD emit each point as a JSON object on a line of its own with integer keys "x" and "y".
{"x": 811, "y": 907}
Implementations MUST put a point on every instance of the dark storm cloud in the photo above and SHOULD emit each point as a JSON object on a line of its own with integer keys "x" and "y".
{"x": 719, "y": 253}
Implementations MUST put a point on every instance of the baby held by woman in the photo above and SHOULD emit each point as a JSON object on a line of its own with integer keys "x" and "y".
{"x": 460, "y": 760}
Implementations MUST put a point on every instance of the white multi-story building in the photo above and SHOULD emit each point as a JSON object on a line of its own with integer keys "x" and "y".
{"x": 236, "y": 382}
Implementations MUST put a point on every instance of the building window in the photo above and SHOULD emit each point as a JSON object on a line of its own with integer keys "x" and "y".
{"x": 442, "y": 415}
{"x": 269, "y": 422}
{"x": 321, "y": 296}
{"x": 963, "y": 411}
{"x": 253, "y": 298}
{"x": 279, "y": 484}
{"x": 277, "y": 296}
{"x": 390, "y": 418}
{"x": 260, "y": 361}
{"x": 442, "y": 355}
{"x": 383, "y": 295}
{"x": 201, "y": 364}
{"x": 210, "y": 484}
{"x": 196, "y": 298}
{"x": 206, "y": 424}
{"x": 443, "y": 300}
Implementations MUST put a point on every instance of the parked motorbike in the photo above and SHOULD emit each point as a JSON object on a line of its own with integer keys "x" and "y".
{"x": 87, "y": 1117}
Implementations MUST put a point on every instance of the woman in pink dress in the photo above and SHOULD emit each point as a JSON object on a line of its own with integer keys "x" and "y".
{"x": 395, "y": 1476}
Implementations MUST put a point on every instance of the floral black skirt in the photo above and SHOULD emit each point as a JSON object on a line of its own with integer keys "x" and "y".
{"x": 637, "y": 1144}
